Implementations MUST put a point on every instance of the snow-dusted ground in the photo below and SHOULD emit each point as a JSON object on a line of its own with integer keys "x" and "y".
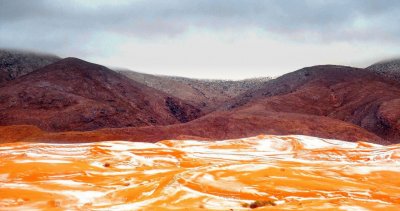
{"x": 280, "y": 172}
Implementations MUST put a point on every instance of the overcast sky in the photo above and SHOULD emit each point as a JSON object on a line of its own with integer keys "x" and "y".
{"x": 230, "y": 39}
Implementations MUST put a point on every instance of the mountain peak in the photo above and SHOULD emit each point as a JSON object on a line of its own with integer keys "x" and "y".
{"x": 72, "y": 67}
{"x": 75, "y": 62}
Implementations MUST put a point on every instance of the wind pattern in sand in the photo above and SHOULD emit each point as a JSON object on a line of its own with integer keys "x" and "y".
{"x": 264, "y": 172}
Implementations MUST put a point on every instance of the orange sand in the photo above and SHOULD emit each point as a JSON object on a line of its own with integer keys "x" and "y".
{"x": 281, "y": 173}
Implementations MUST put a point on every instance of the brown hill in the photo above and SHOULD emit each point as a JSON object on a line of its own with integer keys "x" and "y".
{"x": 205, "y": 94}
{"x": 76, "y": 95}
{"x": 14, "y": 64}
{"x": 322, "y": 101}
{"x": 353, "y": 95}
{"x": 325, "y": 101}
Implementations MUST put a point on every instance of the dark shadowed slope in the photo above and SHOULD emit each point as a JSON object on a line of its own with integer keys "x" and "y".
{"x": 352, "y": 95}
{"x": 206, "y": 94}
{"x": 389, "y": 69}
{"x": 14, "y": 64}
{"x": 76, "y": 95}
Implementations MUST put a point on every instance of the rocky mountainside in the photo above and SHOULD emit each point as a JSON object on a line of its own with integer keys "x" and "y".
{"x": 324, "y": 101}
{"x": 348, "y": 94}
{"x": 389, "y": 69}
{"x": 14, "y": 64}
{"x": 72, "y": 94}
{"x": 206, "y": 94}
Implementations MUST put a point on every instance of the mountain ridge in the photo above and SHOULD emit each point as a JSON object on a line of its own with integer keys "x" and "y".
{"x": 349, "y": 94}
{"x": 328, "y": 101}
{"x": 90, "y": 95}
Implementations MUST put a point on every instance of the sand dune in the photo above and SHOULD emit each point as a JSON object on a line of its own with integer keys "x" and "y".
{"x": 273, "y": 172}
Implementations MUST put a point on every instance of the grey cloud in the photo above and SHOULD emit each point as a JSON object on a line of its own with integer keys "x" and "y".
{"x": 50, "y": 22}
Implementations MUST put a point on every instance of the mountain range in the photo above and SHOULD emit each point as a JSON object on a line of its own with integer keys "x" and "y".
{"x": 47, "y": 98}
{"x": 205, "y": 94}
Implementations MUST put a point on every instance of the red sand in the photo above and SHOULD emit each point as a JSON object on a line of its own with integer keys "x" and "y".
{"x": 273, "y": 172}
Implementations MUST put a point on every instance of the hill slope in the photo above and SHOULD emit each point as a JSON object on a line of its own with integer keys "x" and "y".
{"x": 353, "y": 95}
{"x": 325, "y": 101}
{"x": 14, "y": 64}
{"x": 206, "y": 94}
{"x": 76, "y": 95}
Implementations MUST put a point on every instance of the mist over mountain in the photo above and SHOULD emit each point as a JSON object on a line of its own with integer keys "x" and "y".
{"x": 16, "y": 63}
{"x": 389, "y": 69}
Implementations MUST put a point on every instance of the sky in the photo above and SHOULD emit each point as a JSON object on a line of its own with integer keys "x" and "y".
{"x": 214, "y": 39}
